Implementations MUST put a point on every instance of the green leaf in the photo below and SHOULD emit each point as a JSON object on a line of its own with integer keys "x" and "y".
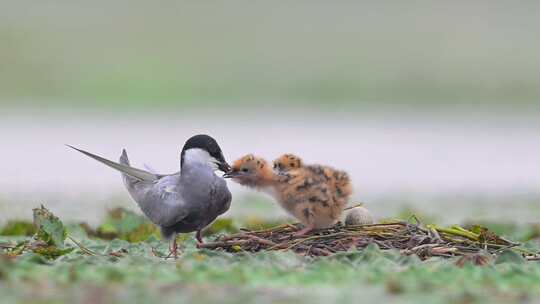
{"x": 16, "y": 227}
{"x": 56, "y": 232}
{"x": 510, "y": 256}
{"x": 50, "y": 229}
{"x": 52, "y": 252}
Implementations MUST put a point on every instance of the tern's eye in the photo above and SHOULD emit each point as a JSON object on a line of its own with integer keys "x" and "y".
{"x": 245, "y": 169}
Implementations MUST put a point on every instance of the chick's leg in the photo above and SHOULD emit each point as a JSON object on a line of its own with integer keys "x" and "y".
{"x": 307, "y": 218}
{"x": 306, "y": 230}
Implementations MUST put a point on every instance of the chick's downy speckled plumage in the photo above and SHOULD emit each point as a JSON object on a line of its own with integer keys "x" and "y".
{"x": 338, "y": 181}
{"x": 315, "y": 195}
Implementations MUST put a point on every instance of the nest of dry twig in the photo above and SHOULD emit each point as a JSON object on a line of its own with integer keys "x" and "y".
{"x": 408, "y": 238}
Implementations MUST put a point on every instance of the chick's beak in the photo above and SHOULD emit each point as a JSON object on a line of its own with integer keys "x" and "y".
{"x": 231, "y": 174}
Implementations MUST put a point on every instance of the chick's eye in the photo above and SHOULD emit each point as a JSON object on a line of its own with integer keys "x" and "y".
{"x": 245, "y": 169}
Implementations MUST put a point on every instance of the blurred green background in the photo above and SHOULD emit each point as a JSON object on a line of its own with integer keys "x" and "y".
{"x": 137, "y": 54}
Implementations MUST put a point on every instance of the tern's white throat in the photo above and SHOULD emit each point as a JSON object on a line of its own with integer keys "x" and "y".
{"x": 200, "y": 156}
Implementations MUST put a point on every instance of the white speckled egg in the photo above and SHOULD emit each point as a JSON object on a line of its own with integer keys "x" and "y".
{"x": 358, "y": 216}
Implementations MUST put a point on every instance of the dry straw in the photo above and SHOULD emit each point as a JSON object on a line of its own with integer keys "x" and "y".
{"x": 409, "y": 238}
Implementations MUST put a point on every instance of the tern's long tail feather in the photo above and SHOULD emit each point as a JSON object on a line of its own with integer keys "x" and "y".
{"x": 124, "y": 168}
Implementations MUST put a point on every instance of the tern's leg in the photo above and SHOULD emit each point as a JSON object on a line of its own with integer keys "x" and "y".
{"x": 173, "y": 248}
{"x": 198, "y": 236}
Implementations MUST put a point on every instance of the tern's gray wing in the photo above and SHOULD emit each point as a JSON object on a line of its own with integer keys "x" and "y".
{"x": 160, "y": 200}
{"x": 154, "y": 193}
{"x": 138, "y": 174}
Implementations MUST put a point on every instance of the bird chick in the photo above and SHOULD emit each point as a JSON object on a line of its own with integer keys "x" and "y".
{"x": 339, "y": 181}
{"x": 253, "y": 172}
{"x": 309, "y": 193}
{"x": 287, "y": 162}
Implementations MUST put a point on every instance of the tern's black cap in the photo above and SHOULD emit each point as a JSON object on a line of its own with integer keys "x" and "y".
{"x": 203, "y": 142}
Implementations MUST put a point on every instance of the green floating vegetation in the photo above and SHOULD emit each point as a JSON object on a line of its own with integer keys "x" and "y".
{"x": 521, "y": 232}
{"x": 48, "y": 240}
{"x": 53, "y": 266}
{"x": 49, "y": 228}
{"x": 125, "y": 225}
{"x": 224, "y": 225}
{"x": 18, "y": 228}
{"x": 228, "y": 225}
